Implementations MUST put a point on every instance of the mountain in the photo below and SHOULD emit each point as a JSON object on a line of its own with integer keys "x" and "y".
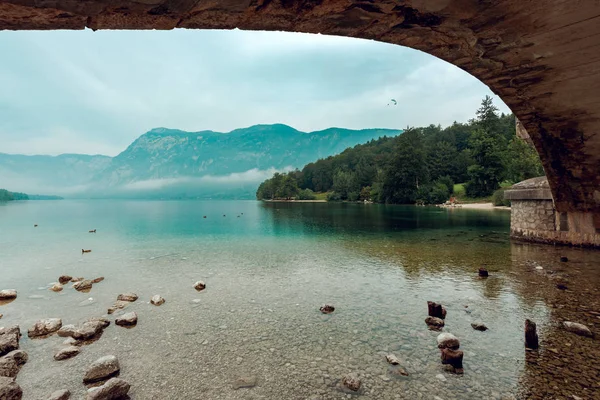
{"x": 173, "y": 163}
{"x": 65, "y": 173}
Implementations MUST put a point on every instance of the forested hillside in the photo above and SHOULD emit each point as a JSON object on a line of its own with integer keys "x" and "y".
{"x": 5, "y": 195}
{"x": 421, "y": 165}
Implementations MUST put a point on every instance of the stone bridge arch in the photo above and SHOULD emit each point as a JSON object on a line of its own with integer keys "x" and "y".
{"x": 542, "y": 57}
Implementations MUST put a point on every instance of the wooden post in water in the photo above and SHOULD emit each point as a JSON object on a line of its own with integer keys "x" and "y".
{"x": 531, "y": 337}
{"x": 436, "y": 310}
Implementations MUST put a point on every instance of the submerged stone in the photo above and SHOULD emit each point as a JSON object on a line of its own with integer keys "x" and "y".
{"x": 67, "y": 352}
{"x": 129, "y": 297}
{"x": 113, "y": 389}
{"x": 351, "y": 382}
{"x": 103, "y": 368}
{"x": 577, "y": 328}
{"x": 434, "y": 323}
{"x": 60, "y": 395}
{"x": 9, "y": 389}
{"x": 44, "y": 327}
{"x": 478, "y": 326}
{"x": 248, "y": 381}
{"x": 128, "y": 319}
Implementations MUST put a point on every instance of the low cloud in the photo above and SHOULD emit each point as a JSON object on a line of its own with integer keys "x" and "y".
{"x": 252, "y": 176}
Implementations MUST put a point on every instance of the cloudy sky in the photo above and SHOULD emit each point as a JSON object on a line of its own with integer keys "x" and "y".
{"x": 95, "y": 92}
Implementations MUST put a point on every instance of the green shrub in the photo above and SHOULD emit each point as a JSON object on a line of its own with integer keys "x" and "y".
{"x": 439, "y": 193}
{"x": 447, "y": 181}
{"x": 306, "y": 194}
{"x": 353, "y": 196}
{"x": 333, "y": 196}
{"x": 498, "y": 198}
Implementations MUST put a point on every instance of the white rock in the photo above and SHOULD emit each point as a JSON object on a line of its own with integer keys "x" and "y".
{"x": 447, "y": 340}
{"x": 578, "y": 328}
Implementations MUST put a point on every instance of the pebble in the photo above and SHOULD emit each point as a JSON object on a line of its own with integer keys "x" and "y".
{"x": 245, "y": 382}
{"x": 157, "y": 300}
{"x": 67, "y": 352}
{"x": 441, "y": 377}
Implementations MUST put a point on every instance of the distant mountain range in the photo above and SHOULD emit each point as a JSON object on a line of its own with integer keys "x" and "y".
{"x": 170, "y": 163}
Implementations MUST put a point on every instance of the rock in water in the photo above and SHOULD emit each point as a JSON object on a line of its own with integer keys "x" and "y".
{"x": 128, "y": 319}
{"x": 436, "y": 310}
{"x": 90, "y": 329}
{"x": 578, "y": 329}
{"x": 119, "y": 304}
{"x": 483, "y": 273}
{"x": 77, "y": 279}
{"x": 245, "y": 382}
{"x": 199, "y": 285}
{"x": 531, "y": 337}
{"x": 44, "y": 327}
{"x": 130, "y": 297}
{"x": 64, "y": 279}
{"x": 98, "y": 280}
{"x": 83, "y": 285}
{"x": 9, "y": 389}
{"x": 57, "y": 287}
{"x": 435, "y": 324}
{"x": 104, "y": 322}
{"x": 66, "y": 331}
{"x": 157, "y": 300}
{"x": 351, "y": 382}
{"x": 9, "y": 339}
{"x": 447, "y": 341}
{"x": 103, "y": 368}
{"x": 478, "y": 326}
{"x": 398, "y": 372}
{"x": 113, "y": 389}
{"x": 453, "y": 358}
{"x": 60, "y": 395}
{"x": 564, "y": 259}
{"x": 392, "y": 359}
{"x": 327, "y": 309}
{"x": 8, "y": 367}
{"x": 8, "y": 294}
{"x": 67, "y": 352}
{"x": 19, "y": 356}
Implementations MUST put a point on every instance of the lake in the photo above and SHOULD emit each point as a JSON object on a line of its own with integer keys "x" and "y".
{"x": 268, "y": 268}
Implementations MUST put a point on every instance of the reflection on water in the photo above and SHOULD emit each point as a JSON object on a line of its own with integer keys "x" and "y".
{"x": 268, "y": 268}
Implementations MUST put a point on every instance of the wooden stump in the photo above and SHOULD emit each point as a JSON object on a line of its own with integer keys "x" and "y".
{"x": 531, "y": 337}
{"x": 436, "y": 310}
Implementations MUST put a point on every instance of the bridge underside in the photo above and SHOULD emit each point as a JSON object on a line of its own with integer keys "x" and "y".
{"x": 542, "y": 57}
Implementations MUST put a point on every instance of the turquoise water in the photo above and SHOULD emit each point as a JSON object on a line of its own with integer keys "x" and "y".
{"x": 268, "y": 268}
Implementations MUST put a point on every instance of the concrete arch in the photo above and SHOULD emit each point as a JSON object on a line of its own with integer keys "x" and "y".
{"x": 542, "y": 57}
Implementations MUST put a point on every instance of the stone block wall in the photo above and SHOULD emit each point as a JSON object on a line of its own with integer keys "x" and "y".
{"x": 532, "y": 215}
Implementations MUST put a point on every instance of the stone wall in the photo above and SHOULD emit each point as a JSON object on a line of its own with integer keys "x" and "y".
{"x": 534, "y": 217}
